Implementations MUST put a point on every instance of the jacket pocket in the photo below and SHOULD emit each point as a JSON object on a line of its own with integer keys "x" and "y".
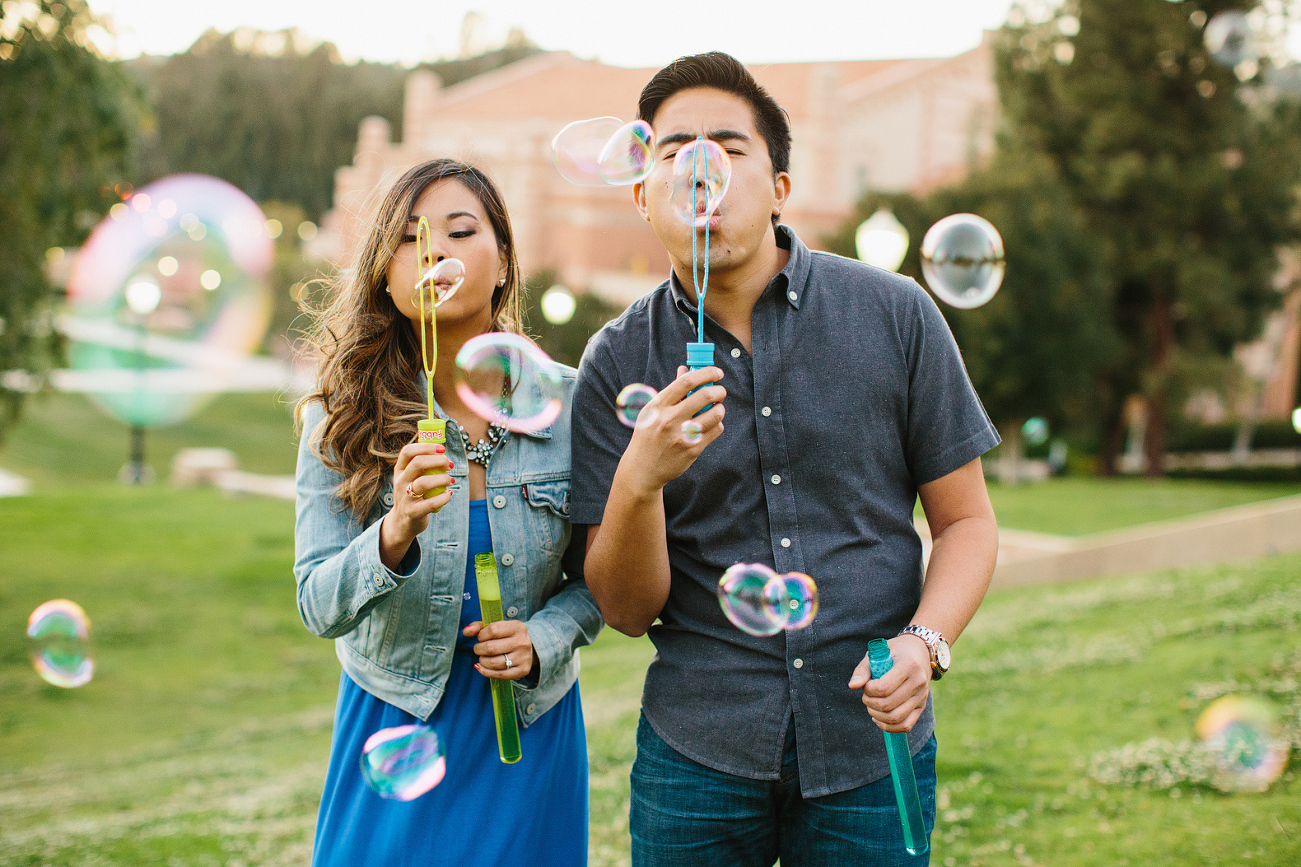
{"x": 549, "y": 514}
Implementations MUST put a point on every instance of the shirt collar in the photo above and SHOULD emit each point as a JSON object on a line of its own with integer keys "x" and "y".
{"x": 792, "y": 280}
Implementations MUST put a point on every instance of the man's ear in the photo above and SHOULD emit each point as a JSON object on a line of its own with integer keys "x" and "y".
{"x": 639, "y": 199}
{"x": 781, "y": 192}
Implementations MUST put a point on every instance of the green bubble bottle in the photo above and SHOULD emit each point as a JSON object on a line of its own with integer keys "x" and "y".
{"x": 503, "y": 691}
{"x": 915, "y": 838}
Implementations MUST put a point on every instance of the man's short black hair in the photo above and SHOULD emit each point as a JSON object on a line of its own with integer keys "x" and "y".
{"x": 722, "y": 72}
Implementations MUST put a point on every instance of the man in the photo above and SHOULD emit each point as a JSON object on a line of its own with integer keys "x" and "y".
{"x": 845, "y": 398}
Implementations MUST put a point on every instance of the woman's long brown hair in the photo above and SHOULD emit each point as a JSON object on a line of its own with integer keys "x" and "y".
{"x": 368, "y": 353}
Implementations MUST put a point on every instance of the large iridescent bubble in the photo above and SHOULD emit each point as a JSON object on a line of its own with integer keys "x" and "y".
{"x": 168, "y": 297}
{"x": 404, "y": 762}
{"x": 1243, "y": 737}
{"x": 507, "y": 379}
{"x": 58, "y": 632}
{"x": 702, "y": 171}
{"x": 758, "y": 601}
{"x": 962, "y": 260}
{"x": 603, "y": 151}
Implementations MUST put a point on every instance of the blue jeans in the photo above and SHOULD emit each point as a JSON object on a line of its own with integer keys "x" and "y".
{"x": 684, "y": 813}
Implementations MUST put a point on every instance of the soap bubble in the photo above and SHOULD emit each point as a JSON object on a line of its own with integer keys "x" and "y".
{"x": 438, "y": 284}
{"x": 630, "y": 405}
{"x": 701, "y": 172}
{"x": 1244, "y": 739}
{"x": 576, "y": 149}
{"x": 881, "y": 240}
{"x": 962, "y": 260}
{"x": 801, "y": 600}
{"x": 59, "y": 634}
{"x": 692, "y": 432}
{"x": 201, "y": 245}
{"x": 506, "y": 379}
{"x": 404, "y": 762}
{"x": 753, "y": 598}
{"x": 626, "y": 157}
{"x": 1231, "y": 41}
{"x": 1035, "y": 431}
{"x": 758, "y": 601}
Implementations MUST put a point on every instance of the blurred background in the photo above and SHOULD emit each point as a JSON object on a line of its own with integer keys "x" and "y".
{"x": 1140, "y": 159}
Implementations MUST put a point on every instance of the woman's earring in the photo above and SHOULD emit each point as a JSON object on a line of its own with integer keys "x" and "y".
{"x": 501, "y": 282}
{"x": 388, "y": 289}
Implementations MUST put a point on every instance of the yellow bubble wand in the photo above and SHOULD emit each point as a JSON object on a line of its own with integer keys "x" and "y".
{"x": 430, "y": 429}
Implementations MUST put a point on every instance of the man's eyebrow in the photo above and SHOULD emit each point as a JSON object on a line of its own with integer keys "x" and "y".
{"x": 717, "y": 135}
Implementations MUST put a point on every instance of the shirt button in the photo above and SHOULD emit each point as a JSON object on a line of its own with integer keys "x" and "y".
{"x": 736, "y": 353}
{"x": 512, "y": 611}
{"x": 767, "y": 411}
{"x": 792, "y": 295}
{"x": 532, "y": 707}
{"x": 507, "y": 559}
{"x": 499, "y": 501}
{"x": 388, "y": 498}
{"x": 776, "y": 479}
{"x": 786, "y": 543}
{"x": 799, "y": 663}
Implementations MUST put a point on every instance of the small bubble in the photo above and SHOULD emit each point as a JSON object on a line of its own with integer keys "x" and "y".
{"x": 59, "y": 635}
{"x": 630, "y": 405}
{"x": 692, "y": 432}
{"x": 404, "y": 762}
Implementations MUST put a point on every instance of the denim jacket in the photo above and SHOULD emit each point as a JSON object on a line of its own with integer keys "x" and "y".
{"x": 395, "y": 632}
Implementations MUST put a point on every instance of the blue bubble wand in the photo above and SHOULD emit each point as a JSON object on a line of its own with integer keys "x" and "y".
{"x": 915, "y": 838}
{"x": 699, "y": 354}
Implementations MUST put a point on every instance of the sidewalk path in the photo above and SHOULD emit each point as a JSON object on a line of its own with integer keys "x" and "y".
{"x": 1252, "y": 530}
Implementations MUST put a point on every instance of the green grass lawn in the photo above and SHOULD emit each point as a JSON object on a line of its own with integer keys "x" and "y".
{"x": 203, "y": 737}
{"x": 65, "y": 439}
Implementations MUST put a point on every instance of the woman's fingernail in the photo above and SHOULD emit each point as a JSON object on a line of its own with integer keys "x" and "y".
{"x": 439, "y": 449}
{"x": 450, "y": 464}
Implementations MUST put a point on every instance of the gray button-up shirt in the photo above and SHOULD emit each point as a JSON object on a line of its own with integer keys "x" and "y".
{"x": 854, "y": 395}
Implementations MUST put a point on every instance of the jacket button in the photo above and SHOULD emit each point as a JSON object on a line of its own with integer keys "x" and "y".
{"x": 532, "y": 707}
{"x": 499, "y": 501}
{"x": 388, "y": 498}
{"x": 379, "y": 580}
{"x": 512, "y": 611}
{"x": 507, "y": 559}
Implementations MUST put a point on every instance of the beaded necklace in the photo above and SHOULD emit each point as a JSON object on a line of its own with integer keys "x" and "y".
{"x": 482, "y": 451}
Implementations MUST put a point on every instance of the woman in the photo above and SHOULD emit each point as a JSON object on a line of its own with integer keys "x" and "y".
{"x": 389, "y": 574}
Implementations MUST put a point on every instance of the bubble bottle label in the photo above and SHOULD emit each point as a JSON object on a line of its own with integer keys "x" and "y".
{"x": 503, "y": 691}
{"x": 915, "y": 838}
{"x": 432, "y": 430}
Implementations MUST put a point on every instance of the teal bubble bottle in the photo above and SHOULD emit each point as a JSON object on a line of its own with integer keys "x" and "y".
{"x": 915, "y": 839}
{"x": 503, "y": 691}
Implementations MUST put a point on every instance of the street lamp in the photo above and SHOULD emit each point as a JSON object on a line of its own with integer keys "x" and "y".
{"x": 558, "y": 305}
{"x": 143, "y": 295}
{"x": 881, "y": 240}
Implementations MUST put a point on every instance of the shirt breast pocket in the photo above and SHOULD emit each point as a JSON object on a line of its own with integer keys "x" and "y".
{"x": 548, "y": 507}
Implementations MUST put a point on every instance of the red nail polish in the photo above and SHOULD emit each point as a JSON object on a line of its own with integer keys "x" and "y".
{"x": 450, "y": 464}
{"x": 439, "y": 449}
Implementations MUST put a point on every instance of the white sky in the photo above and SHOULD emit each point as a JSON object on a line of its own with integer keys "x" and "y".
{"x": 622, "y": 34}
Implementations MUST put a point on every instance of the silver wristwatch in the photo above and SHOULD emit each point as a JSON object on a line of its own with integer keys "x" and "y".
{"x": 938, "y": 646}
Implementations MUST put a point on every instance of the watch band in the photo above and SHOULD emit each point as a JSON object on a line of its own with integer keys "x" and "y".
{"x": 933, "y": 640}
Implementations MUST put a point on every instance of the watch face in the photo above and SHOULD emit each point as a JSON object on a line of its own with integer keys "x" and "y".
{"x": 942, "y": 654}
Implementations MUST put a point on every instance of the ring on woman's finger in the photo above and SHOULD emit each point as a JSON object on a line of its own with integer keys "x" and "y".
{"x": 506, "y": 656}
{"x": 411, "y": 493}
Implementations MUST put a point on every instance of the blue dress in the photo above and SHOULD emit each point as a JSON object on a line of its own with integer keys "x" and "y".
{"x": 533, "y": 812}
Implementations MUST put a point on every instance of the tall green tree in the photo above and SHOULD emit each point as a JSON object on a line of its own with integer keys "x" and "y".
{"x": 1181, "y": 169}
{"x": 271, "y": 116}
{"x": 67, "y": 126}
{"x": 1038, "y": 347}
